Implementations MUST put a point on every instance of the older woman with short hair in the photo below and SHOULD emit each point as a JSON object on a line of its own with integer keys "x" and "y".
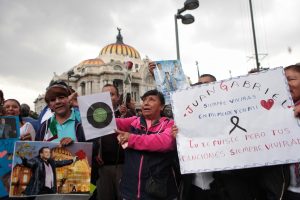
{"x": 148, "y": 171}
{"x": 292, "y": 74}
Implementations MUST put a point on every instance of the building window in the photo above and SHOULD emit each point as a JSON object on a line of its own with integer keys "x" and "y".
{"x": 119, "y": 84}
{"x": 91, "y": 87}
{"x": 149, "y": 79}
{"x": 115, "y": 83}
{"x": 82, "y": 85}
{"x": 118, "y": 67}
{"x": 25, "y": 178}
{"x": 136, "y": 66}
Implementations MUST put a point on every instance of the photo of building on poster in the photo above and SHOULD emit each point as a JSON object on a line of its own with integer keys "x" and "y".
{"x": 169, "y": 77}
{"x": 9, "y": 134}
{"x": 45, "y": 168}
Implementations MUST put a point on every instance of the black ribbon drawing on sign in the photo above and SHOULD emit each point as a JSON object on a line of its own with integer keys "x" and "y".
{"x": 236, "y": 124}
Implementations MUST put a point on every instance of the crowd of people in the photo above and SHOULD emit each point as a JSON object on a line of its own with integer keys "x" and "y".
{"x": 140, "y": 160}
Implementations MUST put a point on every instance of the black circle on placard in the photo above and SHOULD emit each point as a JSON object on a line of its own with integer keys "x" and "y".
{"x": 99, "y": 115}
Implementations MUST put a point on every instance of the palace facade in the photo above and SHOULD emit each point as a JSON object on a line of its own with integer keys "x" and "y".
{"x": 117, "y": 63}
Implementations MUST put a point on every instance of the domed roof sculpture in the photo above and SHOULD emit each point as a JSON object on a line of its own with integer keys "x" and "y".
{"x": 119, "y": 48}
{"x": 94, "y": 61}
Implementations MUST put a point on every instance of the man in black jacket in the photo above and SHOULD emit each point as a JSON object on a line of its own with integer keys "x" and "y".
{"x": 110, "y": 155}
{"x": 43, "y": 179}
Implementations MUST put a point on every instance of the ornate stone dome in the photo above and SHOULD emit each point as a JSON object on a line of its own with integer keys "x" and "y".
{"x": 95, "y": 61}
{"x": 119, "y": 48}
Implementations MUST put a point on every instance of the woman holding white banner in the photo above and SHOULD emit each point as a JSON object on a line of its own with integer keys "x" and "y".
{"x": 258, "y": 183}
{"x": 292, "y": 73}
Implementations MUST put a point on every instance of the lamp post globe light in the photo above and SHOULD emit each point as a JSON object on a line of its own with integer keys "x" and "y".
{"x": 191, "y": 4}
{"x": 185, "y": 19}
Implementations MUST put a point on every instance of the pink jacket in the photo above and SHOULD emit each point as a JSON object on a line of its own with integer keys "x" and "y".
{"x": 158, "y": 137}
{"x": 150, "y": 152}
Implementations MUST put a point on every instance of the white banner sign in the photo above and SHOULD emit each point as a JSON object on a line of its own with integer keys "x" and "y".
{"x": 242, "y": 122}
{"x": 97, "y": 115}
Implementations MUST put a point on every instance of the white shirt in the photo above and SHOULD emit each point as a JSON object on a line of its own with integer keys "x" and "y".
{"x": 28, "y": 128}
{"x": 49, "y": 176}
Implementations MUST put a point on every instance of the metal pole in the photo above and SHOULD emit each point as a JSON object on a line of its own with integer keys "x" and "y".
{"x": 198, "y": 70}
{"x": 254, "y": 37}
{"x": 177, "y": 40}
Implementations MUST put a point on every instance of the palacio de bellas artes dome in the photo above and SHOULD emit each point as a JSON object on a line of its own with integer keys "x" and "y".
{"x": 117, "y": 63}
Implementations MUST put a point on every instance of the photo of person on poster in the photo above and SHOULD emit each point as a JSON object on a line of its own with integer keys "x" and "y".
{"x": 7, "y": 128}
{"x": 43, "y": 179}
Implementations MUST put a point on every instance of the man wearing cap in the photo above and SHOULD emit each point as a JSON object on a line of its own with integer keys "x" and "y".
{"x": 63, "y": 126}
{"x": 47, "y": 113}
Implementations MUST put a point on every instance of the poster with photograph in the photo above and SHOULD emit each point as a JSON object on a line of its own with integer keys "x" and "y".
{"x": 47, "y": 168}
{"x": 243, "y": 122}
{"x": 169, "y": 77}
{"x": 9, "y": 127}
{"x": 97, "y": 115}
{"x": 9, "y": 134}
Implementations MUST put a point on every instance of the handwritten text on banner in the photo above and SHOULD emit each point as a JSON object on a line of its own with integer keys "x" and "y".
{"x": 243, "y": 122}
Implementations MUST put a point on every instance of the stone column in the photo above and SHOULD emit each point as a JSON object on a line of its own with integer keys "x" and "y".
{"x": 88, "y": 87}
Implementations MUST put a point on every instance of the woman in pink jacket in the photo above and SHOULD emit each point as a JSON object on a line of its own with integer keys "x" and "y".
{"x": 150, "y": 152}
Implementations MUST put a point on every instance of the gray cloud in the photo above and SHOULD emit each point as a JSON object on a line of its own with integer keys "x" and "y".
{"x": 38, "y": 38}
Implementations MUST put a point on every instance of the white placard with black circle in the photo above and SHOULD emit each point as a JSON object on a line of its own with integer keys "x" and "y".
{"x": 97, "y": 115}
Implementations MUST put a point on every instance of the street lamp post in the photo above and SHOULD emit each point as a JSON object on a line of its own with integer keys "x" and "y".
{"x": 198, "y": 70}
{"x": 176, "y": 33}
{"x": 254, "y": 36}
{"x": 185, "y": 19}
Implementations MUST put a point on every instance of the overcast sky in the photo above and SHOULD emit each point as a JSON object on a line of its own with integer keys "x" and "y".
{"x": 38, "y": 37}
